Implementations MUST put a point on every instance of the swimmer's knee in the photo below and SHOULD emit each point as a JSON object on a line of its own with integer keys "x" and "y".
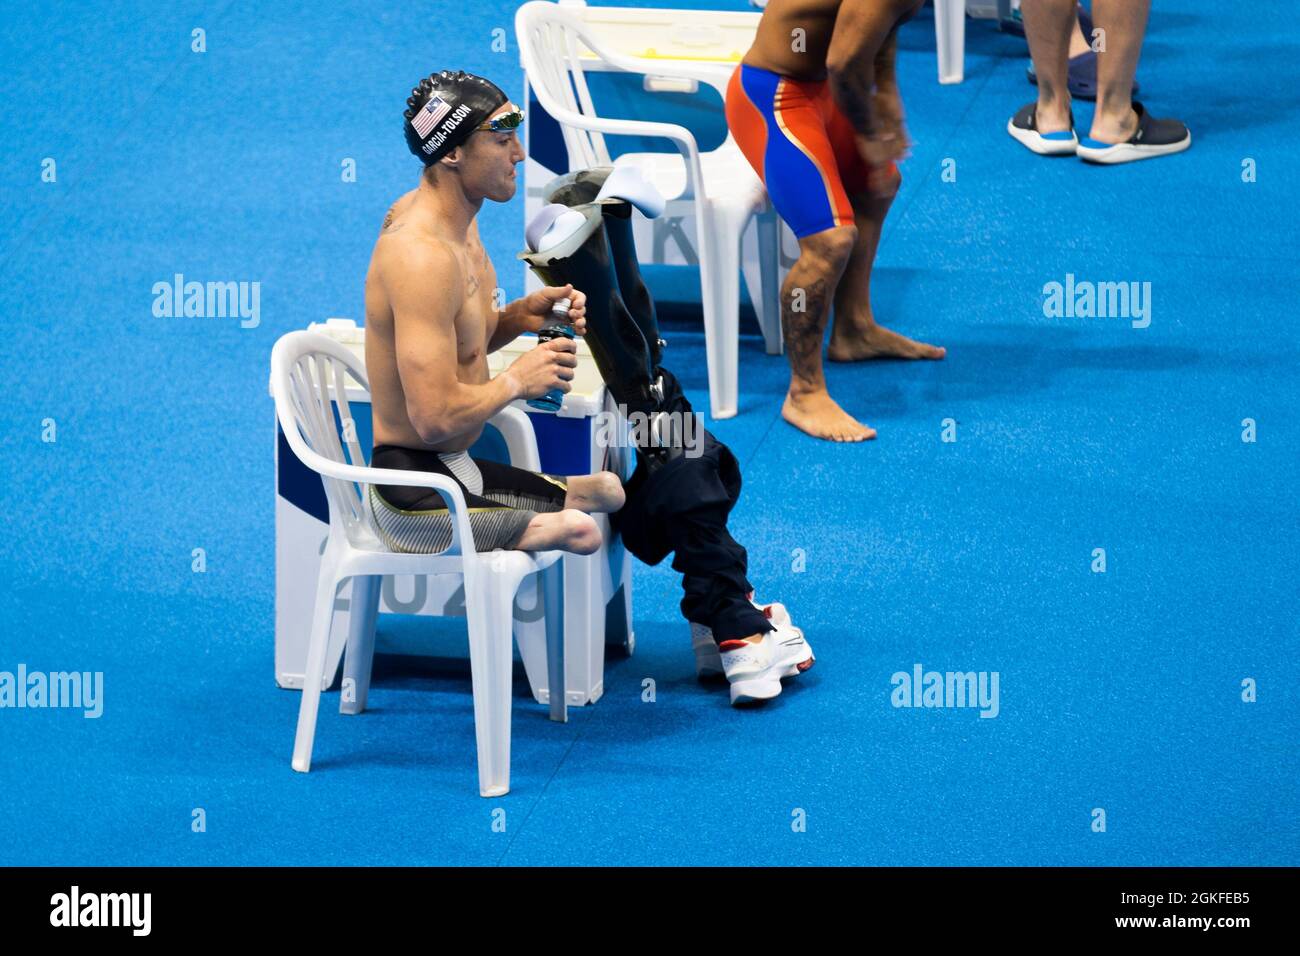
{"x": 610, "y": 489}
{"x": 829, "y": 248}
{"x": 580, "y": 532}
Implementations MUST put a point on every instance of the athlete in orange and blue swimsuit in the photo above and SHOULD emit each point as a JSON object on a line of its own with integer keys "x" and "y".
{"x": 801, "y": 144}
{"x": 814, "y": 107}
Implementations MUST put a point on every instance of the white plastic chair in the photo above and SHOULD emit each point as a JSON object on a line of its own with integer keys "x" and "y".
{"x": 309, "y": 376}
{"x": 719, "y": 188}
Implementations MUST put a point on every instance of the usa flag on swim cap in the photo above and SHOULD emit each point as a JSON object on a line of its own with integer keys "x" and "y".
{"x": 430, "y": 116}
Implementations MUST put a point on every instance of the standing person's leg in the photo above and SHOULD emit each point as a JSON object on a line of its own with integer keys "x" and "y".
{"x": 779, "y": 126}
{"x": 806, "y": 296}
{"x": 1049, "y": 25}
{"x": 855, "y": 334}
{"x": 1079, "y": 44}
{"x": 1124, "y": 25}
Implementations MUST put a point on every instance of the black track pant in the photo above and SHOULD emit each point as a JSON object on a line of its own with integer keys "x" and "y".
{"x": 682, "y": 508}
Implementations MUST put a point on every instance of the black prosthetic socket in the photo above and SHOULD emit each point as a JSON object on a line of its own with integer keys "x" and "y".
{"x": 577, "y": 188}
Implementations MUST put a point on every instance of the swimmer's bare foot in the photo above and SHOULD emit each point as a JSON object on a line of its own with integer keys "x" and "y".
{"x": 856, "y": 343}
{"x": 816, "y": 413}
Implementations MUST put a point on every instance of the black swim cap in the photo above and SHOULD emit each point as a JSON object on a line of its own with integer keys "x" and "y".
{"x": 444, "y": 109}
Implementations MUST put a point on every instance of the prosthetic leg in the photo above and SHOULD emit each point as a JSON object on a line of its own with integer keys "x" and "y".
{"x": 617, "y": 341}
{"x": 677, "y": 502}
{"x": 584, "y": 186}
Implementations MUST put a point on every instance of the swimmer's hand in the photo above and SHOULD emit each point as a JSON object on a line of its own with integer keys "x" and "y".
{"x": 547, "y": 367}
{"x": 879, "y": 152}
{"x": 887, "y": 114}
{"x": 537, "y": 307}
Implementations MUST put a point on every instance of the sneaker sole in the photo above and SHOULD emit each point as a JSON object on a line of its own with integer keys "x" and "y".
{"x": 1129, "y": 152}
{"x": 1034, "y": 141}
{"x": 763, "y": 687}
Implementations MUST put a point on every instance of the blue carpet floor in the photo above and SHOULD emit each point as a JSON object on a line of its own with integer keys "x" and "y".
{"x": 1120, "y": 691}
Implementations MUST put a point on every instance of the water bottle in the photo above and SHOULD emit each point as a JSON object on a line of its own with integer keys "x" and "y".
{"x": 551, "y": 401}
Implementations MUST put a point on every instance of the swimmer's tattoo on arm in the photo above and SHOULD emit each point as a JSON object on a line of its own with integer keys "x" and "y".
{"x": 388, "y": 224}
{"x": 803, "y": 330}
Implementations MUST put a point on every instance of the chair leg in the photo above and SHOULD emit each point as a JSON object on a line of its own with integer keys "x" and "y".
{"x": 361, "y": 643}
{"x": 625, "y": 582}
{"x": 327, "y": 586}
{"x": 950, "y": 38}
{"x": 721, "y": 298}
{"x": 553, "y": 605}
{"x": 489, "y": 606}
{"x": 768, "y": 225}
{"x": 530, "y": 636}
{"x": 751, "y": 268}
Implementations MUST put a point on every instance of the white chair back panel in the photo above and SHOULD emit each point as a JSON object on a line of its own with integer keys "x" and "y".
{"x": 318, "y": 392}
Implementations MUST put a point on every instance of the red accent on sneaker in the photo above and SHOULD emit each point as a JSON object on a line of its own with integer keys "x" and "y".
{"x": 767, "y": 612}
{"x": 731, "y": 645}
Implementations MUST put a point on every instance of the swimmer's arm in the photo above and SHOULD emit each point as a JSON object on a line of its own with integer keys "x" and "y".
{"x": 863, "y": 30}
{"x": 439, "y": 405}
{"x": 512, "y": 321}
{"x": 886, "y": 79}
{"x": 886, "y": 102}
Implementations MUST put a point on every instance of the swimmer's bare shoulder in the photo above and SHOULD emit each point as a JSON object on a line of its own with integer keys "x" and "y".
{"x": 410, "y": 260}
{"x": 417, "y": 270}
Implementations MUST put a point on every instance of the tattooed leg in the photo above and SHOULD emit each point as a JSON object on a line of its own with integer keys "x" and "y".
{"x": 805, "y": 300}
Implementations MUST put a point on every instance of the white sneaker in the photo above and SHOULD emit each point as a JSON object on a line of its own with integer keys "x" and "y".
{"x": 749, "y": 666}
{"x": 755, "y": 668}
{"x": 708, "y": 662}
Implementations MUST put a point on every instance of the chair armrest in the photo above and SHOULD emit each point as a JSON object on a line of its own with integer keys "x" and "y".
{"x": 679, "y": 136}
{"x": 521, "y": 441}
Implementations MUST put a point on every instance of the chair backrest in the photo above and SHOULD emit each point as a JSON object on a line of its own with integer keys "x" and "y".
{"x": 309, "y": 378}
{"x": 551, "y": 39}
